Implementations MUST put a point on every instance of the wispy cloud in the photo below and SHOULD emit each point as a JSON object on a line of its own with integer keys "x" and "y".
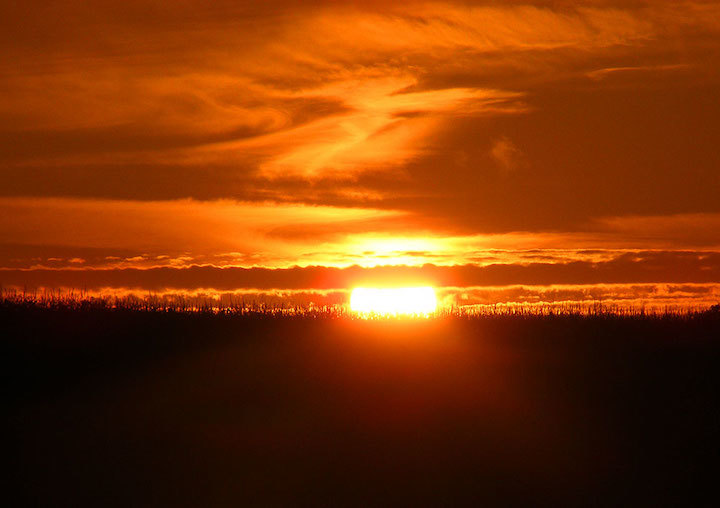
{"x": 280, "y": 133}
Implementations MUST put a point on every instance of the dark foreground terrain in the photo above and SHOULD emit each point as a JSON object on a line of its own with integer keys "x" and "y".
{"x": 121, "y": 408}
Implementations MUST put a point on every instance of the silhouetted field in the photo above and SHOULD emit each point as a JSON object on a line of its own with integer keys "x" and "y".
{"x": 131, "y": 407}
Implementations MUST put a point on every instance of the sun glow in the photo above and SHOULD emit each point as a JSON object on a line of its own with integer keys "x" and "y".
{"x": 411, "y": 301}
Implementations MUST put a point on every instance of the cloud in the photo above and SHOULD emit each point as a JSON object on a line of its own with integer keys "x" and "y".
{"x": 50, "y": 232}
{"x": 506, "y": 154}
{"x": 698, "y": 229}
{"x": 385, "y": 127}
{"x": 646, "y": 296}
{"x": 176, "y": 227}
{"x": 630, "y": 268}
{"x": 599, "y": 74}
{"x": 280, "y": 133}
{"x": 168, "y": 82}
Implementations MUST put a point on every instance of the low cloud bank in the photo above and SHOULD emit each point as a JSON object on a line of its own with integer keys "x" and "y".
{"x": 632, "y": 267}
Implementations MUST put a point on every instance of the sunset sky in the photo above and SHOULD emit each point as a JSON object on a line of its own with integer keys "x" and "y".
{"x": 512, "y": 151}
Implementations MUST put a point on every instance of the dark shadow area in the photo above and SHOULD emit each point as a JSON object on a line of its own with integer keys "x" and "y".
{"x": 112, "y": 407}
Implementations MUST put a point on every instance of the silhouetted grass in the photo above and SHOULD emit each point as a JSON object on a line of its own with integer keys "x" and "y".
{"x": 129, "y": 402}
{"x": 209, "y": 305}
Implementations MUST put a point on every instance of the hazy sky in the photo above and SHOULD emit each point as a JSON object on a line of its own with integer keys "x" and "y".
{"x": 539, "y": 142}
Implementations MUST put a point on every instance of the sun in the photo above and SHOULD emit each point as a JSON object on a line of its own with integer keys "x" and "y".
{"x": 408, "y": 301}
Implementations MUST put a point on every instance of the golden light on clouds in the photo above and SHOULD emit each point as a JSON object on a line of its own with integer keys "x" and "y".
{"x": 532, "y": 138}
{"x": 384, "y": 126}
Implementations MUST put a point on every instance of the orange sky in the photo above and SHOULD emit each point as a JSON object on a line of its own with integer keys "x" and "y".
{"x": 533, "y": 143}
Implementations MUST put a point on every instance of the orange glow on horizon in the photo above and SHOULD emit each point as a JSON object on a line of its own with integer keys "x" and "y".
{"x": 408, "y": 301}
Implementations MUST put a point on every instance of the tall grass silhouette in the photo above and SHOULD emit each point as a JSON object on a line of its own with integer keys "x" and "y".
{"x": 179, "y": 303}
{"x": 128, "y": 401}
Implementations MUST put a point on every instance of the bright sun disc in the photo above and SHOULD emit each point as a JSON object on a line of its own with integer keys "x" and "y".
{"x": 393, "y": 301}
